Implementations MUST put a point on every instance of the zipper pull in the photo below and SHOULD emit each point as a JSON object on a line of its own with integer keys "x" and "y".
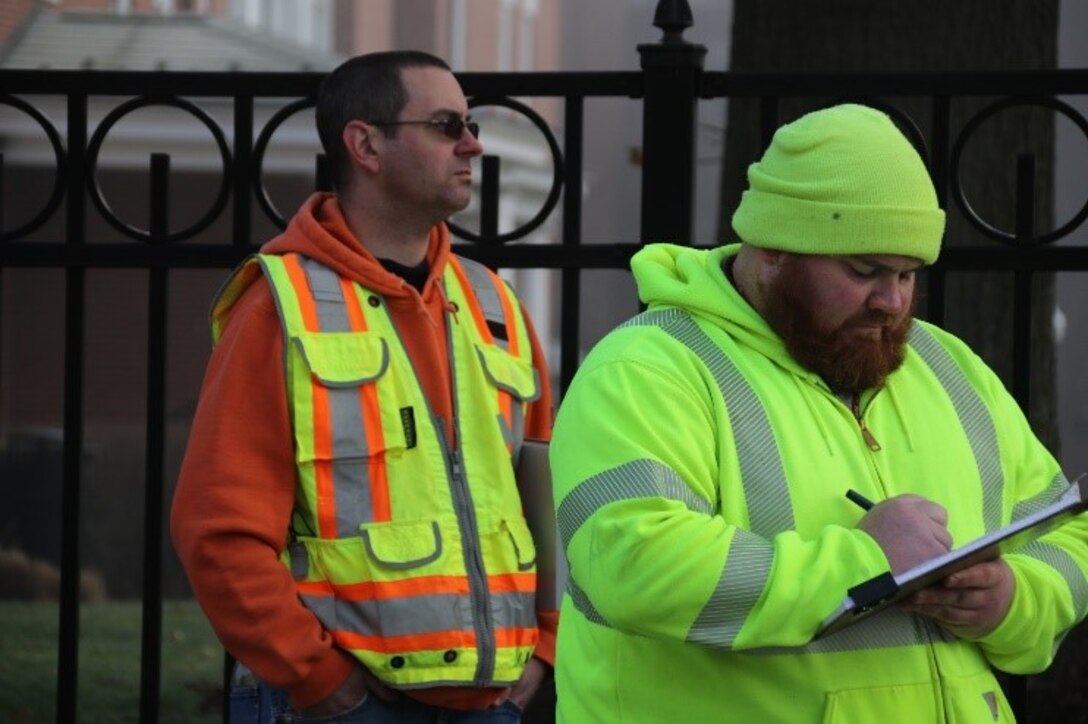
{"x": 866, "y": 434}
{"x": 869, "y": 439}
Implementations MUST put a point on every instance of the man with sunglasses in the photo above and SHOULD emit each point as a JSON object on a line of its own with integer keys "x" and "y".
{"x": 347, "y": 510}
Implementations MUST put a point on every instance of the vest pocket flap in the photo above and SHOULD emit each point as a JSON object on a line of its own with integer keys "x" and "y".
{"x": 344, "y": 359}
{"x": 522, "y": 539}
{"x": 510, "y": 373}
{"x": 403, "y": 545}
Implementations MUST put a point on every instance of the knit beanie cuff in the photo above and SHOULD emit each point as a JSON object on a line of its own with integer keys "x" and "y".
{"x": 805, "y": 226}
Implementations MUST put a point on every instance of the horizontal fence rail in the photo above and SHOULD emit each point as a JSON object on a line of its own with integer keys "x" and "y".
{"x": 666, "y": 206}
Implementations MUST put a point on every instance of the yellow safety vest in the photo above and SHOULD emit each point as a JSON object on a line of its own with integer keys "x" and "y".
{"x": 411, "y": 550}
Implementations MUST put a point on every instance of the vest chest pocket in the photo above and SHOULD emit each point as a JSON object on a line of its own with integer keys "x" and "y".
{"x": 354, "y": 398}
{"x": 509, "y": 373}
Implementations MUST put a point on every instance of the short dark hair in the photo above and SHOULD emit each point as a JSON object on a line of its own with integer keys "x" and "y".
{"x": 368, "y": 88}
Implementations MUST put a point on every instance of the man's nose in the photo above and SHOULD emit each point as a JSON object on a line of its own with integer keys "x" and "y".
{"x": 469, "y": 145}
{"x": 891, "y": 295}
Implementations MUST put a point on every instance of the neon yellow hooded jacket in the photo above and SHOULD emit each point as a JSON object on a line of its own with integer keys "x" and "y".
{"x": 699, "y": 482}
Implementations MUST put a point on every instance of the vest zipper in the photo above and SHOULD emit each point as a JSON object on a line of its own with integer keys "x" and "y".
{"x": 866, "y": 434}
{"x": 479, "y": 591}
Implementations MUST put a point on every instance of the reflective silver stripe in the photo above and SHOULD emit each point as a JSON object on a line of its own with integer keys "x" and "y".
{"x": 328, "y": 297}
{"x": 975, "y": 418}
{"x": 517, "y": 414}
{"x": 486, "y": 294}
{"x": 770, "y": 510}
{"x": 581, "y": 602}
{"x": 742, "y": 581}
{"x": 1063, "y": 563}
{"x": 418, "y": 614}
{"x": 889, "y": 629}
{"x": 351, "y": 475}
{"x": 636, "y": 479}
{"x": 1050, "y": 554}
{"x": 1026, "y": 507}
{"x": 507, "y": 433}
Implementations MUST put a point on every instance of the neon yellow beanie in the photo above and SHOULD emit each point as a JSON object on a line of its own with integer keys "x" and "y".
{"x": 842, "y": 180}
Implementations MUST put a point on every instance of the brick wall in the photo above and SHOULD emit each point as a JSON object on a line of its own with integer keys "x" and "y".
{"x": 12, "y": 14}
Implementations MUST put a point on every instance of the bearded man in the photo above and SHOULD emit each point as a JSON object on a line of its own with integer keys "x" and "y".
{"x": 702, "y": 455}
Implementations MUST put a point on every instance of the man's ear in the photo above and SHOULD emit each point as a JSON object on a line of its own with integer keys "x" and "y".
{"x": 360, "y": 141}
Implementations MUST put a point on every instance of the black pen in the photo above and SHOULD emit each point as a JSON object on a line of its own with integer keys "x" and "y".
{"x": 860, "y": 499}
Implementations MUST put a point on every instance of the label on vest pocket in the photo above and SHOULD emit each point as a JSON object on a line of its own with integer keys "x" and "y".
{"x": 408, "y": 422}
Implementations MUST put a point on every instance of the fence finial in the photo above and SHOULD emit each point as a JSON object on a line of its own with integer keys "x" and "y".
{"x": 673, "y": 17}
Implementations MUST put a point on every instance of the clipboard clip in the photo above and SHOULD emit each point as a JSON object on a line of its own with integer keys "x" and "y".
{"x": 872, "y": 592}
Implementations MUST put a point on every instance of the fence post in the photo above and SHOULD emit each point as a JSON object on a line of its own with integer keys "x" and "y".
{"x": 671, "y": 69}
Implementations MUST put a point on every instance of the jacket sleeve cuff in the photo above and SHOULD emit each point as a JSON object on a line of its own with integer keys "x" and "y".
{"x": 324, "y": 678}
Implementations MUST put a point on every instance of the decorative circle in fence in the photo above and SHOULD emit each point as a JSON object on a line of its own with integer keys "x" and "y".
{"x": 57, "y": 192}
{"x": 95, "y": 146}
{"x": 557, "y": 172}
{"x": 970, "y": 127}
{"x": 259, "y": 150}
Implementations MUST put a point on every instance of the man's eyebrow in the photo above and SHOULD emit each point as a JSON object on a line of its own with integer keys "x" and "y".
{"x": 885, "y": 268}
{"x": 447, "y": 112}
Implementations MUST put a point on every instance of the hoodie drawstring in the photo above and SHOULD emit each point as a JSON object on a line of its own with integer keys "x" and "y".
{"x": 806, "y": 395}
{"x": 902, "y": 418}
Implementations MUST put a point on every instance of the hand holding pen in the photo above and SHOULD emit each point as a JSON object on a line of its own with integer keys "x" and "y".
{"x": 909, "y": 529}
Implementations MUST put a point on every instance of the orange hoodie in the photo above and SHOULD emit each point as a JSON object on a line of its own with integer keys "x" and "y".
{"x": 236, "y": 489}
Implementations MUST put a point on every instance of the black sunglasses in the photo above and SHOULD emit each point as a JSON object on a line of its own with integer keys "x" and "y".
{"x": 452, "y": 127}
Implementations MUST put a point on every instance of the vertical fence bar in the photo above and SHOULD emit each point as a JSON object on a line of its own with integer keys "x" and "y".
{"x": 243, "y": 165}
{"x": 670, "y": 71}
{"x": 570, "y": 285}
{"x": 151, "y": 643}
{"x": 768, "y": 120}
{"x": 489, "y": 198}
{"x": 1022, "y": 280}
{"x": 1016, "y": 687}
{"x": 936, "y": 280}
{"x": 74, "y": 303}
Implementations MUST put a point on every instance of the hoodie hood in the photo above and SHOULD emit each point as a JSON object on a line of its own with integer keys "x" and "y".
{"x": 694, "y": 280}
{"x": 320, "y": 231}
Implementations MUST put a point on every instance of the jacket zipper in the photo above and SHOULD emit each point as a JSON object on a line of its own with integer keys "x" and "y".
{"x": 866, "y": 434}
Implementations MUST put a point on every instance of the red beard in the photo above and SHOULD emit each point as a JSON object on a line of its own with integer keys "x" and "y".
{"x": 847, "y": 361}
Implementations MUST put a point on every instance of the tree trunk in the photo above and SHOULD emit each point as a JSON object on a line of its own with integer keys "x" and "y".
{"x": 936, "y": 35}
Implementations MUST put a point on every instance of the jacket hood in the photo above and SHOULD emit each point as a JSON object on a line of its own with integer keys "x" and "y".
{"x": 695, "y": 280}
{"x": 320, "y": 231}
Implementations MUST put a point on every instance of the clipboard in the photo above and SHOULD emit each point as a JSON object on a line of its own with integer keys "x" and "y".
{"x": 885, "y": 590}
{"x": 534, "y": 479}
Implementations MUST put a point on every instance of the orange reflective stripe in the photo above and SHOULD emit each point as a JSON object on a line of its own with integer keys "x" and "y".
{"x": 302, "y": 292}
{"x": 323, "y": 478}
{"x": 512, "y": 583}
{"x": 434, "y": 641}
{"x": 377, "y": 472}
{"x": 515, "y": 636}
{"x": 470, "y": 296}
{"x": 351, "y": 302}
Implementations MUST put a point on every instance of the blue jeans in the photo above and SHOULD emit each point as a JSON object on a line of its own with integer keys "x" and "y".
{"x": 255, "y": 702}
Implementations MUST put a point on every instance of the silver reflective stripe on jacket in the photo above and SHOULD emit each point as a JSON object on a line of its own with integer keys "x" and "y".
{"x": 974, "y": 417}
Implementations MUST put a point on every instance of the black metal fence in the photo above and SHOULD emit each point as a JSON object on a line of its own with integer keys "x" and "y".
{"x": 670, "y": 85}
